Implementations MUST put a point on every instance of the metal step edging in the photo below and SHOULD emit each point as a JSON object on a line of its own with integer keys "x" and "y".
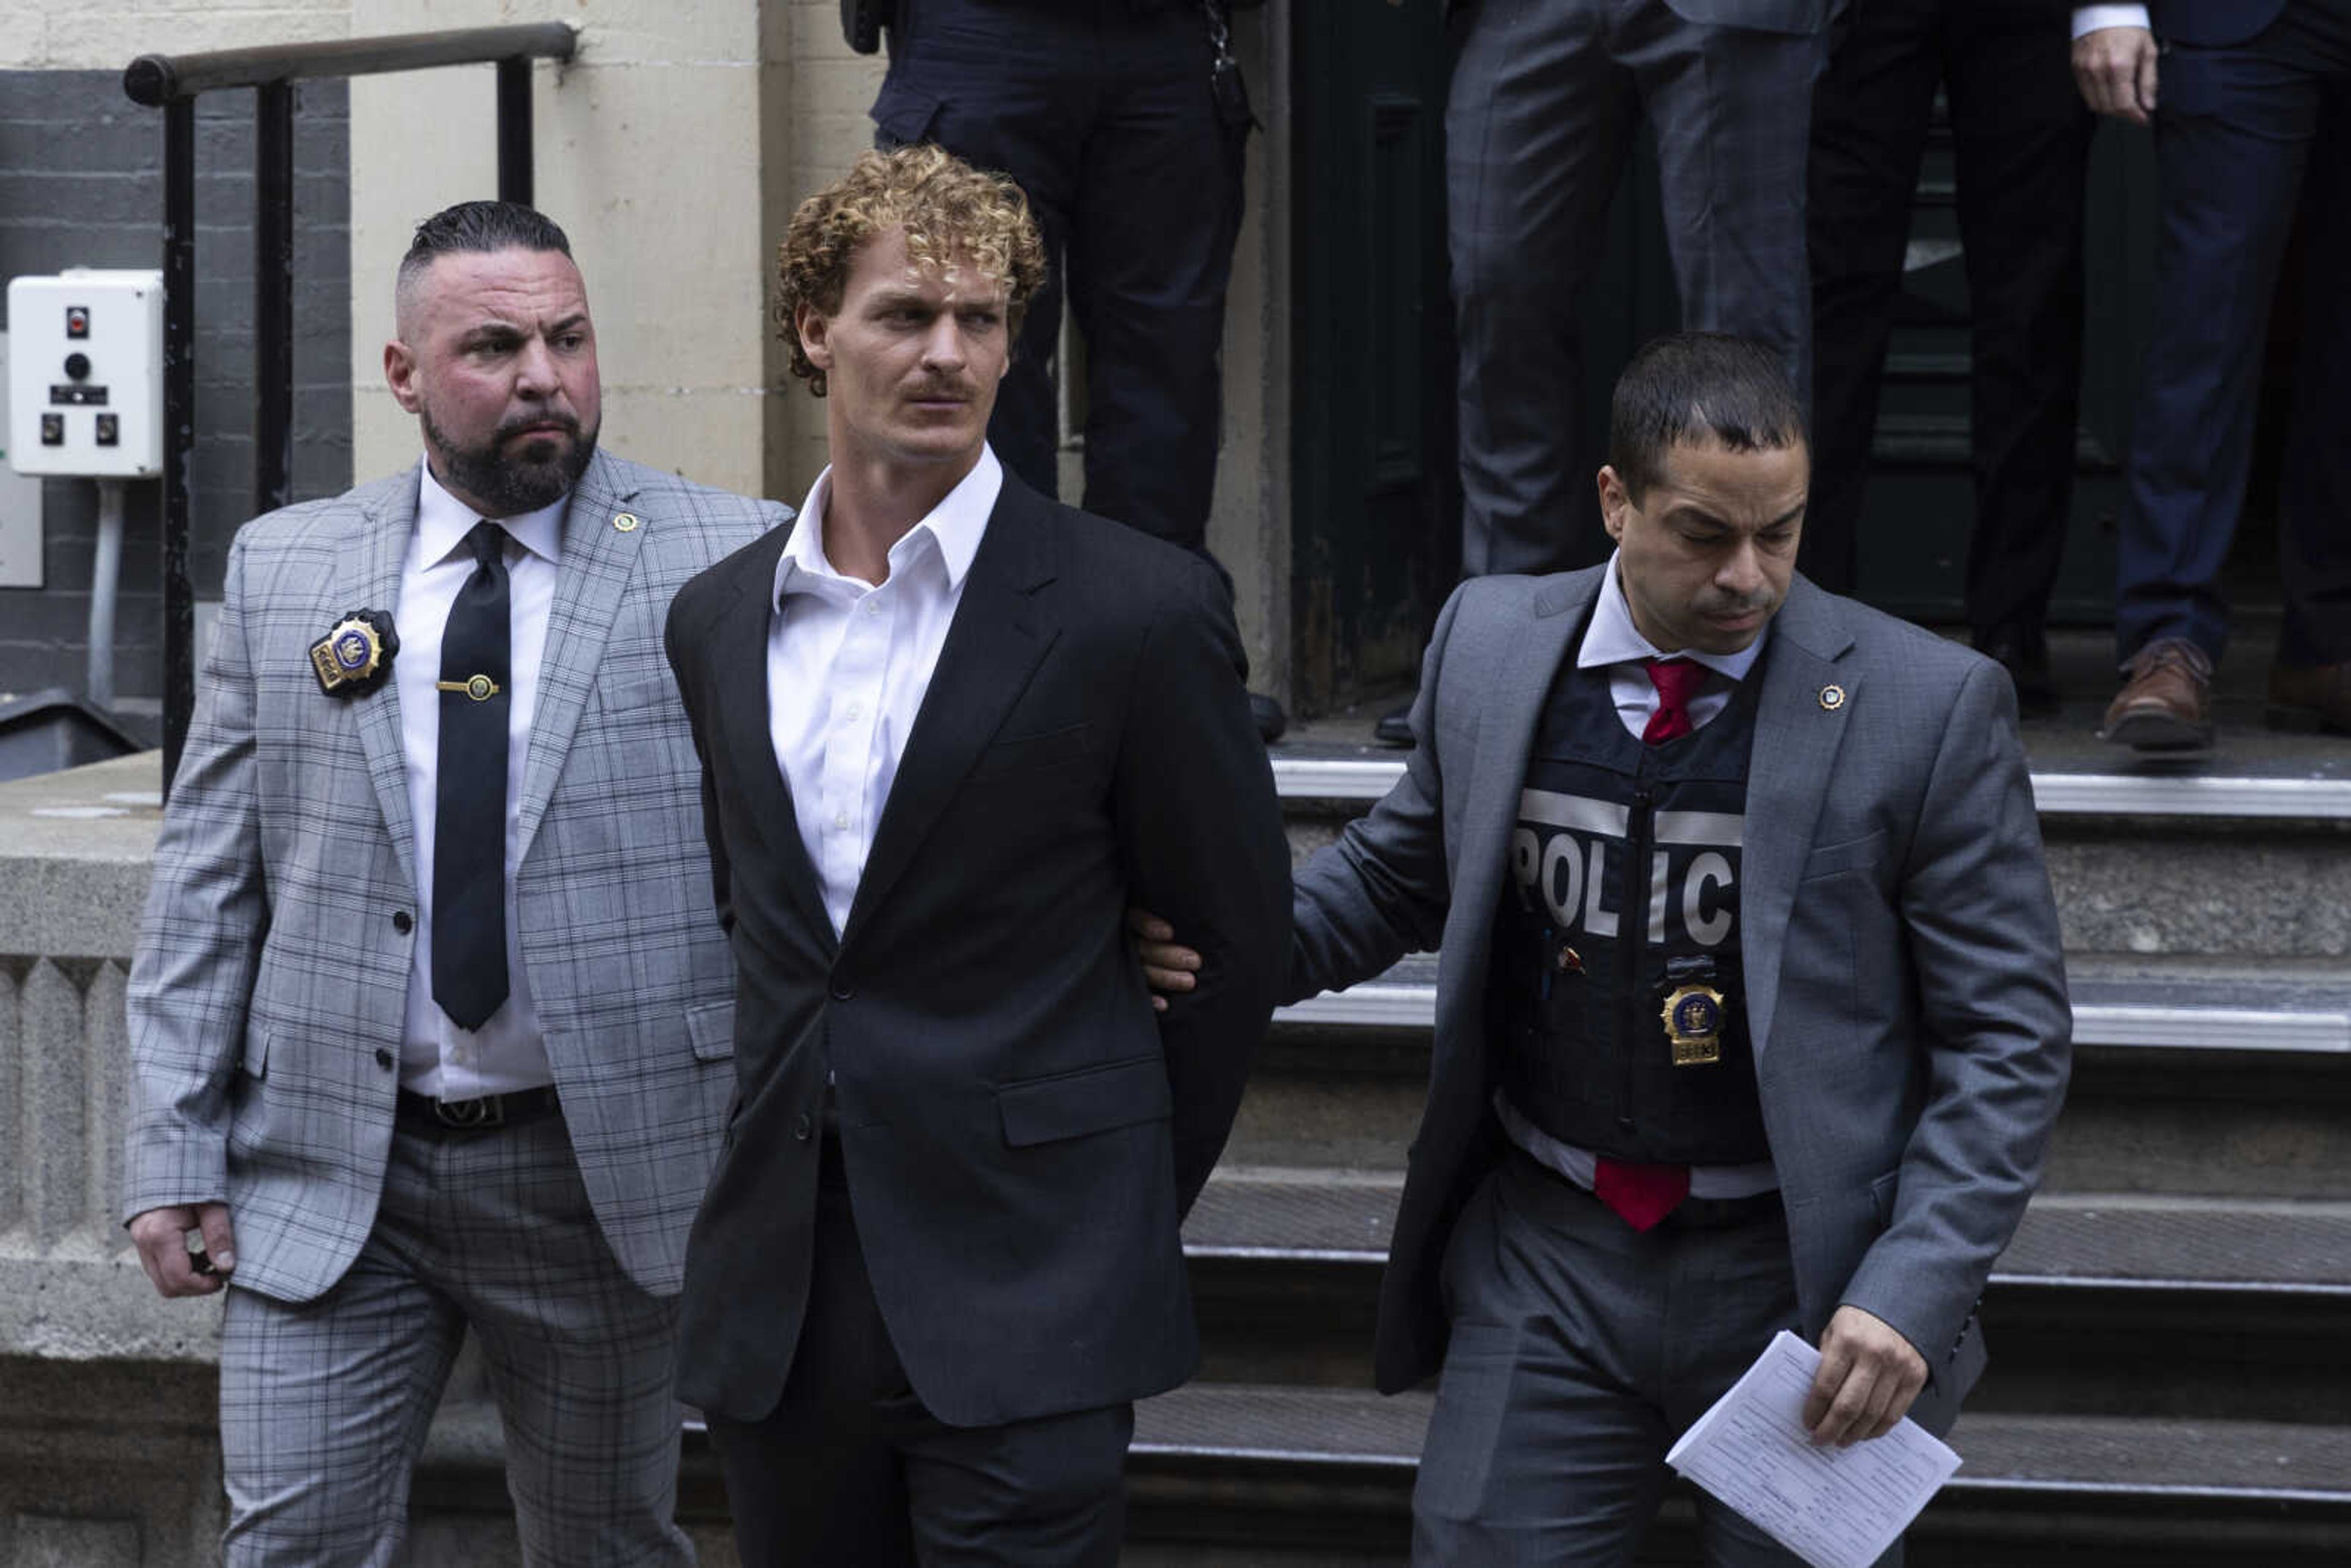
{"x": 2056, "y": 794}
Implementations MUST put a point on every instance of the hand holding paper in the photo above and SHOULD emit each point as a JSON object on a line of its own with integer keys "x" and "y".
{"x": 1833, "y": 1507}
{"x": 1868, "y": 1376}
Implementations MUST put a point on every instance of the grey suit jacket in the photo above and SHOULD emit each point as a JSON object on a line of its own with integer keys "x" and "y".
{"x": 1905, "y": 986}
{"x": 266, "y": 999}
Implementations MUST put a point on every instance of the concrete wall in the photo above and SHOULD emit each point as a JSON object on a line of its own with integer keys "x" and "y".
{"x": 81, "y": 185}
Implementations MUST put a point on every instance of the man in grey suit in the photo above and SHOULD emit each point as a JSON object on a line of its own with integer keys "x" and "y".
{"x": 1750, "y": 1009}
{"x": 430, "y": 1031}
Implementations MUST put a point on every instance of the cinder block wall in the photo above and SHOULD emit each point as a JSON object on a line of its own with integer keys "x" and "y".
{"x": 81, "y": 185}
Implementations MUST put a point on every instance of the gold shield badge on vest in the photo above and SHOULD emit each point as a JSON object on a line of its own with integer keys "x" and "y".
{"x": 1693, "y": 1020}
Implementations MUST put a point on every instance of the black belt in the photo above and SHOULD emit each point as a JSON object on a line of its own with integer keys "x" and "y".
{"x": 1719, "y": 1213}
{"x": 440, "y": 1117}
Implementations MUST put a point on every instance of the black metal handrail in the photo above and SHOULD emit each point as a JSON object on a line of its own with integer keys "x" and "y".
{"x": 172, "y": 82}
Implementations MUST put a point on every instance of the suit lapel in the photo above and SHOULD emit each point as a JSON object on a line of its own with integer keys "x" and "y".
{"x": 995, "y": 644}
{"x": 1798, "y": 734}
{"x": 1531, "y": 661}
{"x": 740, "y": 730}
{"x": 369, "y": 578}
{"x": 597, "y": 562}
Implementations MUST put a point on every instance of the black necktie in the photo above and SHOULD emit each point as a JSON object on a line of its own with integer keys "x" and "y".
{"x": 469, "y": 833}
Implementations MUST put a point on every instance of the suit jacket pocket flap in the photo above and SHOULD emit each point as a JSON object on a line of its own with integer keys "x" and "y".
{"x": 645, "y": 692}
{"x": 1853, "y": 854}
{"x": 1091, "y": 1100}
{"x": 1021, "y": 753}
{"x": 711, "y": 1028}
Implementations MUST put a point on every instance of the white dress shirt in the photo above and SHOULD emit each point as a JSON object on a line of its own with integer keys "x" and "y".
{"x": 2091, "y": 18}
{"x": 507, "y": 1052}
{"x": 848, "y": 664}
{"x": 1610, "y": 640}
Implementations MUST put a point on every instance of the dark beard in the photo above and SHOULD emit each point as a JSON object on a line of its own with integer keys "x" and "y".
{"x": 510, "y": 487}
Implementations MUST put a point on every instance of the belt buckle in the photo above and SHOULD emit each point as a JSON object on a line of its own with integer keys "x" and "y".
{"x": 471, "y": 1115}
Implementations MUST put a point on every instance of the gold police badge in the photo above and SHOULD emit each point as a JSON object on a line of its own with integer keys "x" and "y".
{"x": 1693, "y": 1020}
{"x": 354, "y": 656}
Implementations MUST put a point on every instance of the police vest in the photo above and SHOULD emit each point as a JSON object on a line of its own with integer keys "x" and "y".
{"x": 1620, "y": 1021}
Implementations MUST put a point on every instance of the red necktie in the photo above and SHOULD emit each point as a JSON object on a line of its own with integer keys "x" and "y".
{"x": 1643, "y": 1195}
{"x": 1678, "y": 681}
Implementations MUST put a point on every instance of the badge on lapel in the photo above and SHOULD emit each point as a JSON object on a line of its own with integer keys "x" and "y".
{"x": 352, "y": 659}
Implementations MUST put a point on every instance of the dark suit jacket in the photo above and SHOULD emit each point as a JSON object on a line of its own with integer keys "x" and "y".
{"x": 1021, "y": 1136}
{"x": 2212, "y": 23}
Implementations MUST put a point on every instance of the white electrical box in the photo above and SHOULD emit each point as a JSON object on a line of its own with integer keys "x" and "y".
{"x": 86, "y": 374}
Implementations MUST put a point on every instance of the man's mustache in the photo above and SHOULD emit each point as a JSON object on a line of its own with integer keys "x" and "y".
{"x": 536, "y": 425}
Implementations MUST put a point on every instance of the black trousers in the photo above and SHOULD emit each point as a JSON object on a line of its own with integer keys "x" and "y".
{"x": 2021, "y": 139}
{"x": 851, "y": 1471}
{"x": 1104, "y": 116}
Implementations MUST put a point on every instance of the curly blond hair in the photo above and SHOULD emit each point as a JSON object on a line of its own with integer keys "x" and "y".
{"x": 947, "y": 209}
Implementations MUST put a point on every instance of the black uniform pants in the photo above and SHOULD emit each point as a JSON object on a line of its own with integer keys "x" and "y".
{"x": 1105, "y": 117}
{"x": 2021, "y": 138}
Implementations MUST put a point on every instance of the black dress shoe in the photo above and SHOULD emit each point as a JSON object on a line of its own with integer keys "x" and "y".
{"x": 1395, "y": 728}
{"x": 2026, "y": 656}
{"x": 1270, "y": 720}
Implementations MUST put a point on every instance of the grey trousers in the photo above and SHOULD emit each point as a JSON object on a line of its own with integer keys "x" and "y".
{"x": 1546, "y": 98}
{"x": 324, "y": 1404}
{"x": 1579, "y": 1350}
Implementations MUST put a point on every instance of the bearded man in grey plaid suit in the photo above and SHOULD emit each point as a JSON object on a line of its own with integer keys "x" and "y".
{"x": 431, "y": 1028}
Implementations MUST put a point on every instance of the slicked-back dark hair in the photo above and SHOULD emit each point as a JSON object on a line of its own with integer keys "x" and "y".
{"x": 1690, "y": 387}
{"x": 480, "y": 229}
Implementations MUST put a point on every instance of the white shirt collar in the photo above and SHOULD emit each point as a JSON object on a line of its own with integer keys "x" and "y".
{"x": 953, "y": 528}
{"x": 442, "y": 522}
{"x": 1612, "y": 638}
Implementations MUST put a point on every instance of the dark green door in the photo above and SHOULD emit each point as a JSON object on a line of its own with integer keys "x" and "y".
{"x": 1376, "y": 516}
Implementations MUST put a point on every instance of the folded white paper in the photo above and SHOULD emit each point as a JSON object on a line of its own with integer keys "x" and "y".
{"x": 1835, "y": 1508}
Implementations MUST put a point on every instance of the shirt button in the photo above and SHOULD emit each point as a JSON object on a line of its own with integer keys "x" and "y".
{"x": 872, "y": 608}
{"x": 841, "y": 821}
{"x": 854, "y": 710}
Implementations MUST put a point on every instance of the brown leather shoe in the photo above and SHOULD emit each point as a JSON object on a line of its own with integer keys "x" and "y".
{"x": 2165, "y": 707}
{"x": 2310, "y": 697}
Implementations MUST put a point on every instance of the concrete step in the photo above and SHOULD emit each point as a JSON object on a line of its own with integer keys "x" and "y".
{"x": 2107, "y": 1303}
{"x": 1241, "y": 1473}
{"x": 2223, "y": 1078}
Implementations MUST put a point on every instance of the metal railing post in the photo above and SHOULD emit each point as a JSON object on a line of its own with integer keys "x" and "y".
{"x": 514, "y": 132}
{"x": 273, "y": 295}
{"x": 179, "y": 424}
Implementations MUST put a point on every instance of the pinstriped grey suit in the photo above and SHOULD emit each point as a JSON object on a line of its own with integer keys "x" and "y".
{"x": 266, "y": 1000}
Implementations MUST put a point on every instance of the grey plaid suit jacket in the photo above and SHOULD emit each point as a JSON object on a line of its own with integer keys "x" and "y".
{"x": 266, "y": 999}
{"x": 1906, "y": 987}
